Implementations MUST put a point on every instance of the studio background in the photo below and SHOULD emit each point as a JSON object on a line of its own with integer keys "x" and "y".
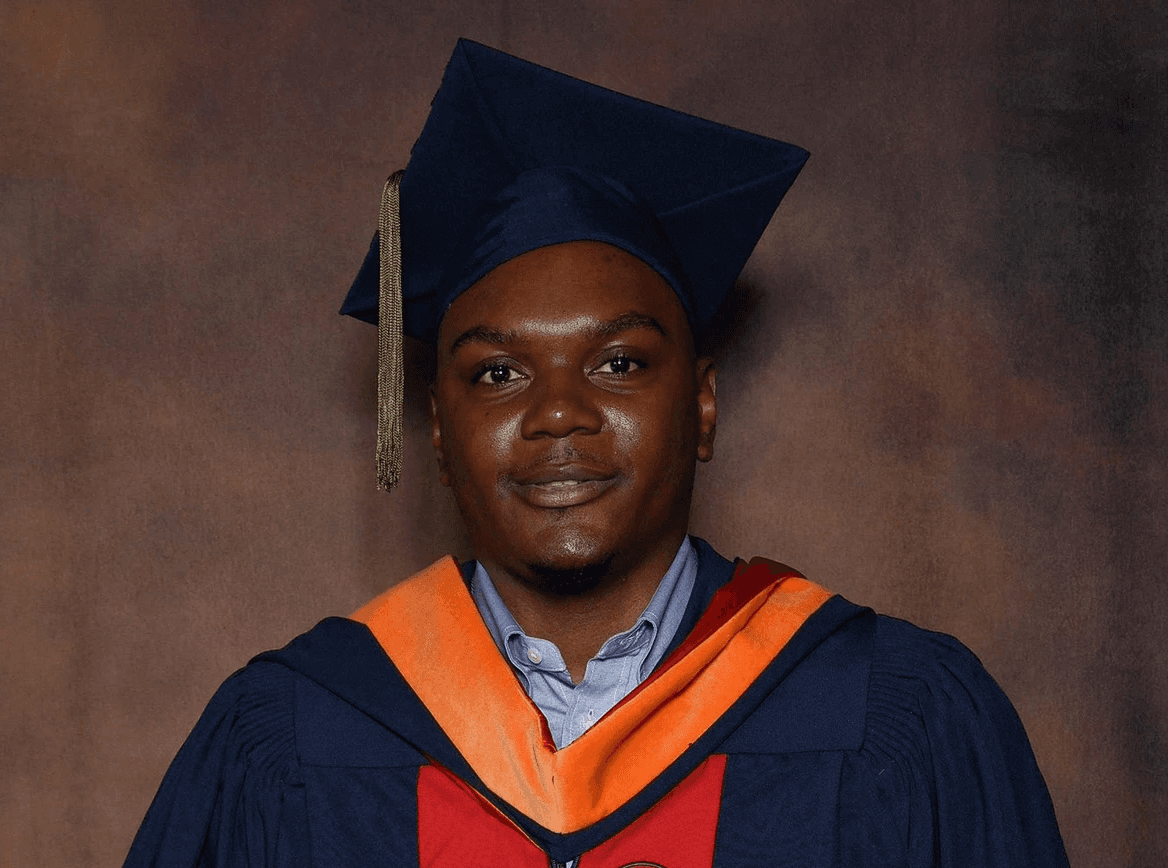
{"x": 942, "y": 390}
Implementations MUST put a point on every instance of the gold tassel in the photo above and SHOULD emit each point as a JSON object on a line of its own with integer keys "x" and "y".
{"x": 390, "y": 373}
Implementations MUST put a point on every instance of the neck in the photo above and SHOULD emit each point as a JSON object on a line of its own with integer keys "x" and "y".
{"x": 580, "y": 623}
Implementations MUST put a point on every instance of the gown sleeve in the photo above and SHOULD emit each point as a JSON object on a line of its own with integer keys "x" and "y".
{"x": 232, "y": 796}
{"x": 960, "y": 771}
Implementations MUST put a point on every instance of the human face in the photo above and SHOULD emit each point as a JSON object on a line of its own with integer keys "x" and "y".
{"x": 568, "y": 413}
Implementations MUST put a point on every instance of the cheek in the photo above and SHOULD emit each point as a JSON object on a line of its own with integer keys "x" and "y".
{"x": 479, "y": 446}
{"x": 498, "y": 432}
{"x": 660, "y": 440}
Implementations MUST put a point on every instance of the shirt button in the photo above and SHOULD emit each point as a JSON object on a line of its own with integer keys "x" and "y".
{"x": 534, "y": 656}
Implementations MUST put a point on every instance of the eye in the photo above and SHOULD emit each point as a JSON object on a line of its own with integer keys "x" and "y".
{"x": 496, "y": 374}
{"x": 620, "y": 365}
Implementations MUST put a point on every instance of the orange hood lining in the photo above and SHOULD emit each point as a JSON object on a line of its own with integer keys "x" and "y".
{"x": 431, "y": 629}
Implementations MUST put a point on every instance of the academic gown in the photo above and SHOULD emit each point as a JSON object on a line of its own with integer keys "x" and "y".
{"x": 788, "y": 727}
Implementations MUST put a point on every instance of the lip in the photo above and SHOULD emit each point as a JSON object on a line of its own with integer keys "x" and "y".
{"x": 562, "y": 485}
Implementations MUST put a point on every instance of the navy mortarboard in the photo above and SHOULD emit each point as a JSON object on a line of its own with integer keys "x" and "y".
{"x": 514, "y": 157}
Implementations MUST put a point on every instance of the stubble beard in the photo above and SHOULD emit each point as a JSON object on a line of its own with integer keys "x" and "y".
{"x": 573, "y": 581}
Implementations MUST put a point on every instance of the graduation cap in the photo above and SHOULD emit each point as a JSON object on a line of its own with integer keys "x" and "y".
{"x": 514, "y": 157}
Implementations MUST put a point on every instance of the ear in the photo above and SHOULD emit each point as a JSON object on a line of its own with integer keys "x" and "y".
{"x": 436, "y": 438}
{"x": 707, "y": 408}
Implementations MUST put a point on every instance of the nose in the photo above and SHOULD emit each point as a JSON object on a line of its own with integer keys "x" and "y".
{"x": 561, "y": 405}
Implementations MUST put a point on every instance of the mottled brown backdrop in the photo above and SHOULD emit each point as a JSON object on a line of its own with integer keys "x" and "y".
{"x": 945, "y": 396}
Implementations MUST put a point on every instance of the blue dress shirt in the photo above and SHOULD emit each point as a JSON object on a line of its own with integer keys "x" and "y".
{"x": 623, "y": 662}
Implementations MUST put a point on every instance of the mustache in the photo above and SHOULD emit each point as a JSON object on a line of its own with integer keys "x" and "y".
{"x": 558, "y": 456}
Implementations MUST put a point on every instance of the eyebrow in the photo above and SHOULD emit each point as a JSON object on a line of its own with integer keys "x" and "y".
{"x": 624, "y": 322}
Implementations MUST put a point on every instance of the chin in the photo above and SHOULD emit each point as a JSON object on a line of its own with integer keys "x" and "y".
{"x": 568, "y": 564}
{"x": 562, "y": 580}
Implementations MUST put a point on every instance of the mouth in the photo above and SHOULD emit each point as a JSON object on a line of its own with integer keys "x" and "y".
{"x": 560, "y": 486}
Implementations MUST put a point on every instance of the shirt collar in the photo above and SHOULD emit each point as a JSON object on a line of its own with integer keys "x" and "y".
{"x": 655, "y": 627}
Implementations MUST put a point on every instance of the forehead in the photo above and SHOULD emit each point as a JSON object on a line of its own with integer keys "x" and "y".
{"x": 565, "y": 288}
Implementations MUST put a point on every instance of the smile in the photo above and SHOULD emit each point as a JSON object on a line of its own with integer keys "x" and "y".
{"x": 562, "y": 487}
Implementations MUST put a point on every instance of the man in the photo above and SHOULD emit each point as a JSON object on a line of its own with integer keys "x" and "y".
{"x": 597, "y": 688}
